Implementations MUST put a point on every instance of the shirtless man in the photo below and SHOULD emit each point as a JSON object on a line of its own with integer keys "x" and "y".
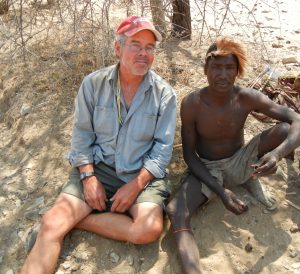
{"x": 213, "y": 120}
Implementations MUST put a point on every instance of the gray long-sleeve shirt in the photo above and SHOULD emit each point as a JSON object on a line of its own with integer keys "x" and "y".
{"x": 144, "y": 140}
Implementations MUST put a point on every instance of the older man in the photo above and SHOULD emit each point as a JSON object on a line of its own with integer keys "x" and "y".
{"x": 121, "y": 144}
{"x": 213, "y": 120}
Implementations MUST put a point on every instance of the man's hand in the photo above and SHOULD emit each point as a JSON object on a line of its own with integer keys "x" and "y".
{"x": 125, "y": 197}
{"x": 266, "y": 165}
{"x": 94, "y": 193}
{"x": 232, "y": 203}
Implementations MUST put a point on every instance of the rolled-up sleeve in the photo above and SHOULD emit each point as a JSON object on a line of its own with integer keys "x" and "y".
{"x": 83, "y": 135}
{"x": 159, "y": 156}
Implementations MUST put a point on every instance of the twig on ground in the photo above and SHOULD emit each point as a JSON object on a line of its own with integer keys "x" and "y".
{"x": 292, "y": 204}
{"x": 177, "y": 146}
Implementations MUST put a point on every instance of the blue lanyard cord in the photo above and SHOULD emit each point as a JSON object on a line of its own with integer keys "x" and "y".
{"x": 119, "y": 101}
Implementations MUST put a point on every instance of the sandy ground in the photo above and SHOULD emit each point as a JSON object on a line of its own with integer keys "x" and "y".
{"x": 35, "y": 128}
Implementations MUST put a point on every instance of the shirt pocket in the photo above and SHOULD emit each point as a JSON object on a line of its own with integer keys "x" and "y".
{"x": 104, "y": 123}
{"x": 145, "y": 127}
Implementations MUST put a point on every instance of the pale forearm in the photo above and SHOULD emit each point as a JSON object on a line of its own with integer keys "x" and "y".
{"x": 143, "y": 178}
{"x": 86, "y": 168}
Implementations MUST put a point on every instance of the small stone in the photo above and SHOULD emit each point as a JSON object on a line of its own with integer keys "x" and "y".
{"x": 25, "y": 109}
{"x": 1, "y": 259}
{"x": 2, "y": 200}
{"x": 11, "y": 197}
{"x": 10, "y": 271}
{"x": 248, "y": 247}
{"x": 130, "y": 260}
{"x": 82, "y": 255}
{"x": 173, "y": 165}
{"x": 66, "y": 265}
{"x": 114, "y": 257}
{"x": 75, "y": 266}
{"x": 295, "y": 228}
{"x": 21, "y": 234}
{"x": 296, "y": 265}
{"x": 292, "y": 253}
{"x": 18, "y": 203}
{"x": 276, "y": 45}
{"x": 289, "y": 60}
{"x": 39, "y": 200}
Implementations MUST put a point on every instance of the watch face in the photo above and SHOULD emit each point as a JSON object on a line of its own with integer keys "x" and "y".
{"x": 82, "y": 175}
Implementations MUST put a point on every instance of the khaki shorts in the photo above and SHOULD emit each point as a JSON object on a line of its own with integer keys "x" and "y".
{"x": 231, "y": 171}
{"x": 157, "y": 191}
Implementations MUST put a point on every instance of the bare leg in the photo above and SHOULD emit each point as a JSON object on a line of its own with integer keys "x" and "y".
{"x": 56, "y": 223}
{"x": 145, "y": 226}
{"x": 180, "y": 210}
{"x": 270, "y": 139}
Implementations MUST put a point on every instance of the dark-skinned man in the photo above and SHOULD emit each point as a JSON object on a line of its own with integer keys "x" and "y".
{"x": 213, "y": 120}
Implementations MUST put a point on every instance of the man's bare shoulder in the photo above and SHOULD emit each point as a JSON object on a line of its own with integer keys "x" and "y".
{"x": 251, "y": 97}
{"x": 193, "y": 98}
{"x": 246, "y": 92}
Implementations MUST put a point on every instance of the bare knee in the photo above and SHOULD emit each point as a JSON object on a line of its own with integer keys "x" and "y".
{"x": 283, "y": 129}
{"x": 179, "y": 217}
{"x": 52, "y": 227}
{"x": 172, "y": 208}
{"x": 272, "y": 138}
{"x": 146, "y": 234}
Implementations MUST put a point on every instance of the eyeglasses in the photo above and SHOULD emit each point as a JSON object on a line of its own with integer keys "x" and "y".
{"x": 135, "y": 48}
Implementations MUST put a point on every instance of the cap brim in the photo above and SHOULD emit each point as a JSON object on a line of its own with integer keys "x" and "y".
{"x": 154, "y": 31}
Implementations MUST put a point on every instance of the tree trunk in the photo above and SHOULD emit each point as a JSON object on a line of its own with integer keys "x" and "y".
{"x": 181, "y": 21}
{"x": 158, "y": 16}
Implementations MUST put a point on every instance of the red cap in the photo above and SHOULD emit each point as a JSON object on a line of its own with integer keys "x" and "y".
{"x": 131, "y": 25}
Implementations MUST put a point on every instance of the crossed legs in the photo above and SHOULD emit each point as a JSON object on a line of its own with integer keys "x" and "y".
{"x": 145, "y": 226}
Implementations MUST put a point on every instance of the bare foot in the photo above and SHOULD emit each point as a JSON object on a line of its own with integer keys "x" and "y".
{"x": 263, "y": 195}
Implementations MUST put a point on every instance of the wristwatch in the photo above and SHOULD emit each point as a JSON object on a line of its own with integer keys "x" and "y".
{"x": 83, "y": 175}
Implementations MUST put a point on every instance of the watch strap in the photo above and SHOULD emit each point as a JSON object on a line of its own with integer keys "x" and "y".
{"x": 83, "y": 175}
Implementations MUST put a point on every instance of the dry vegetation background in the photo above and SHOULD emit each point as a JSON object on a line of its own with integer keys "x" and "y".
{"x": 46, "y": 48}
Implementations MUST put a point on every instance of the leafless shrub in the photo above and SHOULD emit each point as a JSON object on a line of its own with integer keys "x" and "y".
{"x": 78, "y": 34}
{"x": 4, "y": 6}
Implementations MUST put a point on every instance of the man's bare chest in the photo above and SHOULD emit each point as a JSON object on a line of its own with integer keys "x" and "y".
{"x": 223, "y": 123}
